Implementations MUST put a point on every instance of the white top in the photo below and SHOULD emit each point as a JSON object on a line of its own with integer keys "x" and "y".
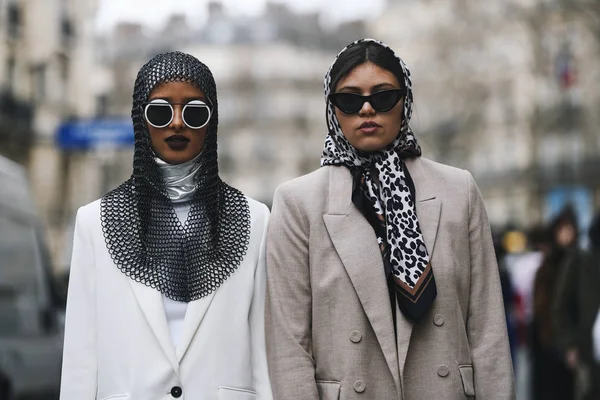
{"x": 175, "y": 310}
{"x": 175, "y": 313}
{"x": 522, "y": 269}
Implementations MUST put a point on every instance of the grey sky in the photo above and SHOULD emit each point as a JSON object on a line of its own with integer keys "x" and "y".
{"x": 154, "y": 12}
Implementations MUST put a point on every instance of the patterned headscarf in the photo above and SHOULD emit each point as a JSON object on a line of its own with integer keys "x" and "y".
{"x": 143, "y": 234}
{"x": 387, "y": 186}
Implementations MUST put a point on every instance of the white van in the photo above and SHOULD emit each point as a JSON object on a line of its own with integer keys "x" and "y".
{"x": 31, "y": 328}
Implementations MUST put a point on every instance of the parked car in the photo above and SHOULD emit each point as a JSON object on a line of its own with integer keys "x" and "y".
{"x": 31, "y": 309}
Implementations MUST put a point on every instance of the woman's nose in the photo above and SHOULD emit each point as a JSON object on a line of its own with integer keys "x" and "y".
{"x": 177, "y": 123}
{"x": 366, "y": 109}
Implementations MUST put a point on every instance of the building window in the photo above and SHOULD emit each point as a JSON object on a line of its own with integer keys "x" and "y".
{"x": 10, "y": 73}
{"x": 14, "y": 19}
{"x": 66, "y": 31}
{"x": 39, "y": 82}
{"x": 63, "y": 66}
{"x": 102, "y": 105}
{"x": 66, "y": 27}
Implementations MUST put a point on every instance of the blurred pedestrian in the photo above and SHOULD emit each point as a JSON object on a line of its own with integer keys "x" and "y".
{"x": 508, "y": 294}
{"x": 167, "y": 281}
{"x": 551, "y": 378}
{"x": 577, "y": 309}
{"x": 382, "y": 281}
{"x": 523, "y": 269}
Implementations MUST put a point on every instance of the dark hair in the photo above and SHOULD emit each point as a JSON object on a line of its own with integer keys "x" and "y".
{"x": 567, "y": 216}
{"x": 365, "y": 52}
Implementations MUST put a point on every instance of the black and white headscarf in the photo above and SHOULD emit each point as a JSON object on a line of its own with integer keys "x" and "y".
{"x": 143, "y": 234}
{"x": 388, "y": 188}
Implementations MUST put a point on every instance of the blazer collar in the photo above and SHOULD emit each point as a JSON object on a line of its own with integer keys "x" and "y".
{"x": 428, "y": 205}
{"x": 193, "y": 317}
{"x": 356, "y": 245}
{"x": 152, "y": 306}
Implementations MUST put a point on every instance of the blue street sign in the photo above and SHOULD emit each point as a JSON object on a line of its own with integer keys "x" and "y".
{"x": 90, "y": 134}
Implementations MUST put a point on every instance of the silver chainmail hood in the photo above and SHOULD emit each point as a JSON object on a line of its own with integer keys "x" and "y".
{"x": 144, "y": 237}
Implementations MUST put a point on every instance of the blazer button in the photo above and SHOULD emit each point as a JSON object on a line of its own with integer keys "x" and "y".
{"x": 443, "y": 371}
{"x": 355, "y": 336}
{"x": 438, "y": 320}
{"x": 176, "y": 392}
{"x": 359, "y": 386}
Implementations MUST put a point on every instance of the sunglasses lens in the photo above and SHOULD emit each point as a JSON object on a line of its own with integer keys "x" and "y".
{"x": 196, "y": 115}
{"x": 348, "y": 103}
{"x": 159, "y": 115}
{"x": 385, "y": 100}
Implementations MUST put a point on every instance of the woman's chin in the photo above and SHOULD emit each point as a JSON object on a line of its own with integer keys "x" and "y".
{"x": 177, "y": 157}
{"x": 370, "y": 145}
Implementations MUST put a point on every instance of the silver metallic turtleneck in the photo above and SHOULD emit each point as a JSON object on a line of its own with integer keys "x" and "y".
{"x": 179, "y": 179}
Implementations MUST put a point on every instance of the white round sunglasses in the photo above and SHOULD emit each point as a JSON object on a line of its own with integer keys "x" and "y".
{"x": 160, "y": 113}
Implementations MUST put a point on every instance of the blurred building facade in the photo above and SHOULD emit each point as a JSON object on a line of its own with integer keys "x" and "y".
{"x": 508, "y": 90}
{"x": 46, "y": 60}
{"x": 16, "y": 103}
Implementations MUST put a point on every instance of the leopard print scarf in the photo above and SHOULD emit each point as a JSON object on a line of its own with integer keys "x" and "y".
{"x": 388, "y": 188}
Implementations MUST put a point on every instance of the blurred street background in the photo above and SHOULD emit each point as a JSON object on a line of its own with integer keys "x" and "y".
{"x": 508, "y": 89}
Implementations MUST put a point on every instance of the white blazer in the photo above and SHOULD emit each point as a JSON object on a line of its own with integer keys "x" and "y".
{"x": 117, "y": 340}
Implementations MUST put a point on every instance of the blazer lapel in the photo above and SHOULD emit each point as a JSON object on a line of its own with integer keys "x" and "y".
{"x": 193, "y": 317}
{"x": 150, "y": 301}
{"x": 428, "y": 213}
{"x": 428, "y": 208}
{"x": 356, "y": 245}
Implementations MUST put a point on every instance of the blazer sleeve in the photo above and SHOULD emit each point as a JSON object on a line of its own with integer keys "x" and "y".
{"x": 79, "y": 367}
{"x": 257, "y": 322}
{"x": 288, "y": 308}
{"x": 486, "y": 324}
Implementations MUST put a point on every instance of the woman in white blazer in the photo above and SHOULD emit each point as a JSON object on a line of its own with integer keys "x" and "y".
{"x": 167, "y": 282}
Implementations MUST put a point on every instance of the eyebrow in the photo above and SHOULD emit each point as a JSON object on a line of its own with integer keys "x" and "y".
{"x": 373, "y": 88}
{"x": 185, "y": 99}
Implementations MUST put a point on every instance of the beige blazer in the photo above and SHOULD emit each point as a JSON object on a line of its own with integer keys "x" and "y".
{"x": 329, "y": 326}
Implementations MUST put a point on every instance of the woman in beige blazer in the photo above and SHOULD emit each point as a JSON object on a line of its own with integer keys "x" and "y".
{"x": 381, "y": 277}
